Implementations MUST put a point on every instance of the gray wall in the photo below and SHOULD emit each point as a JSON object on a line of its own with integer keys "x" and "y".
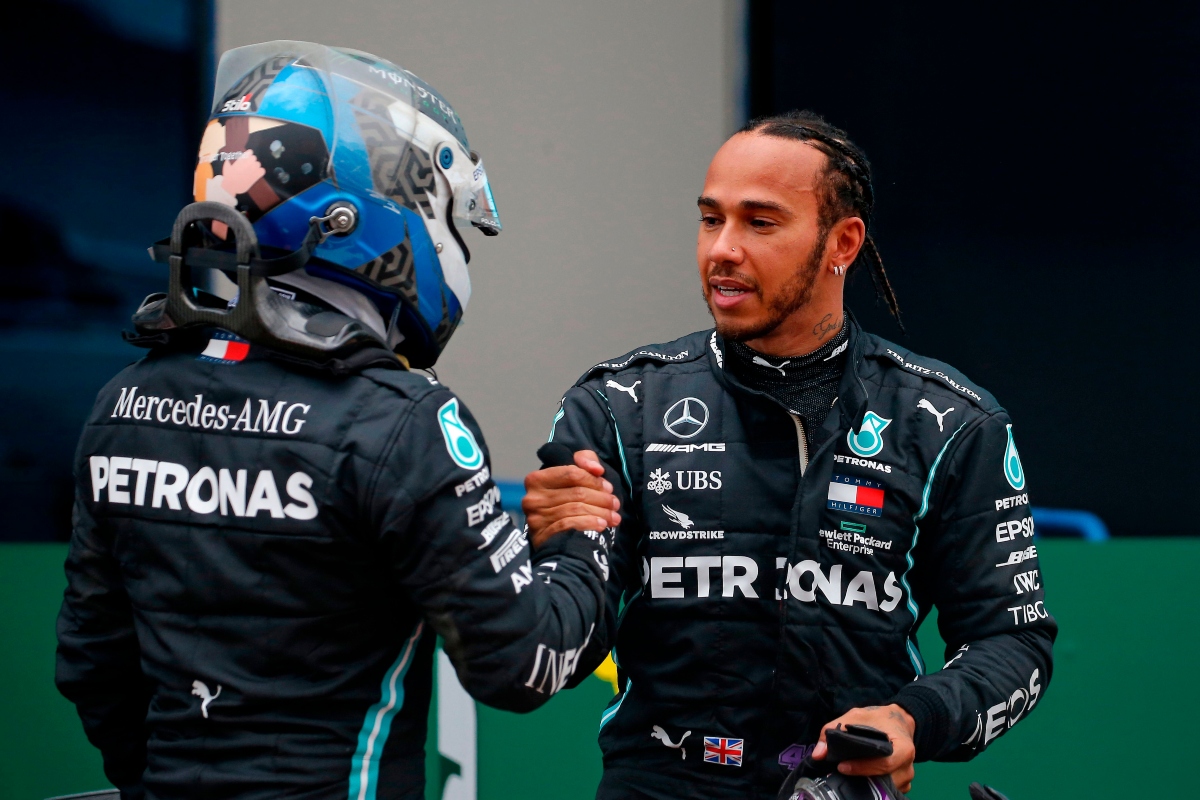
{"x": 596, "y": 121}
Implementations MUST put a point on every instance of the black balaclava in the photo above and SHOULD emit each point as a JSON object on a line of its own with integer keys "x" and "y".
{"x": 805, "y": 385}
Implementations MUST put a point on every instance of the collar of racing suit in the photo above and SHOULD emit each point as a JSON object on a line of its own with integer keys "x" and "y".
{"x": 852, "y": 394}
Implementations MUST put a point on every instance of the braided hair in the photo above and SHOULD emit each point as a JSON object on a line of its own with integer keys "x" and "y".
{"x": 846, "y": 181}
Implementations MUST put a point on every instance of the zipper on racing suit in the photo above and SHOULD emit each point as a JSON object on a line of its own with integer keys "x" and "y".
{"x": 801, "y": 442}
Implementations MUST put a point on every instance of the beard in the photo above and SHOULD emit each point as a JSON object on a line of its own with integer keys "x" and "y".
{"x": 793, "y": 295}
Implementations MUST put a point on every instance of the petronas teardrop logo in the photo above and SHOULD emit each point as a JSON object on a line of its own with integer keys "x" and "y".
{"x": 1013, "y": 470}
{"x": 460, "y": 442}
{"x": 869, "y": 439}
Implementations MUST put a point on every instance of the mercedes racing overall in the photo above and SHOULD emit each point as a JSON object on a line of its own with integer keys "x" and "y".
{"x": 263, "y": 556}
{"x": 761, "y": 589}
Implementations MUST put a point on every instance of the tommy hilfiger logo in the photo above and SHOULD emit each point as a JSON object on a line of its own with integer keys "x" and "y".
{"x": 856, "y": 495}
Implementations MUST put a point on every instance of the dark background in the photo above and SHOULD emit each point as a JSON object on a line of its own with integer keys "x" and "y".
{"x": 1037, "y": 180}
{"x": 1037, "y": 199}
{"x": 102, "y": 115}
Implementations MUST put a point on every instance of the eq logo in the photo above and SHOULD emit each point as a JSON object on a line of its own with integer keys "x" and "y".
{"x": 686, "y": 418}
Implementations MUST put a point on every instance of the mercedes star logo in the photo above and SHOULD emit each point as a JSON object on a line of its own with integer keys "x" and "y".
{"x": 681, "y": 419}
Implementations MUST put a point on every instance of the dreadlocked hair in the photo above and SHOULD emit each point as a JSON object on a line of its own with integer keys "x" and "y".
{"x": 845, "y": 181}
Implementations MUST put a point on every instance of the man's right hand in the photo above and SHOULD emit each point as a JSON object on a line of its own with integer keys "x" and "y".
{"x": 558, "y": 499}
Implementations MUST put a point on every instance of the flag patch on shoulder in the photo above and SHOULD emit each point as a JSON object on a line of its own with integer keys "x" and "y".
{"x": 225, "y": 348}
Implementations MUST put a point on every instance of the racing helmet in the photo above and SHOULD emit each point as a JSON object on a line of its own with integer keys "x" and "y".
{"x": 305, "y": 136}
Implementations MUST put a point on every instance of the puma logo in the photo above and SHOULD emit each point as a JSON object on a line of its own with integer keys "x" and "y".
{"x": 762, "y": 362}
{"x": 200, "y": 689}
{"x": 928, "y": 406}
{"x": 629, "y": 390}
{"x": 661, "y": 735}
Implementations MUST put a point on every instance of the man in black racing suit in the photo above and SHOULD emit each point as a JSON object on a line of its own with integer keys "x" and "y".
{"x": 262, "y": 560}
{"x": 274, "y": 518}
{"x": 797, "y": 496}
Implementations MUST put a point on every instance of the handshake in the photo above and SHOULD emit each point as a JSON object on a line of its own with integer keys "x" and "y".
{"x": 569, "y": 492}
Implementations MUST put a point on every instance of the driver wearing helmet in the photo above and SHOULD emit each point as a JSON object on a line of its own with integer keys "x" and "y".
{"x": 274, "y": 517}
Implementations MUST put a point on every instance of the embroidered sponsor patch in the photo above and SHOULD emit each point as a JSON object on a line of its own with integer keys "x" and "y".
{"x": 225, "y": 348}
{"x": 720, "y": 750}
{"x": 856, "y": 495}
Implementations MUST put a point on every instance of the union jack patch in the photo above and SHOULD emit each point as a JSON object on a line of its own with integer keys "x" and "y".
{"x": 719, "y": 750}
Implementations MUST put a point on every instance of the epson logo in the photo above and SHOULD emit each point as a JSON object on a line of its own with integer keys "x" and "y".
{"x": 236, "y": 104}
{"x": 711, "y": 447}
{"x": 1007, "y": 531}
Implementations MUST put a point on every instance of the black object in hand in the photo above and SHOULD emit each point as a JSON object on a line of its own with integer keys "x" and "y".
{"x": 856, "y": 741}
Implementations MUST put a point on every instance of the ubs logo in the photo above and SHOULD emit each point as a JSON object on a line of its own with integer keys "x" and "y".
{"x": 686, "y": 418}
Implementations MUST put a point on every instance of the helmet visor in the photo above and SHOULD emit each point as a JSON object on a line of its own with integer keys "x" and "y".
{"x": 480, "y": 204}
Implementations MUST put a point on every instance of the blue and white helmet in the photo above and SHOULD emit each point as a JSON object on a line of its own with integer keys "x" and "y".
{"x": 301, "y": 130}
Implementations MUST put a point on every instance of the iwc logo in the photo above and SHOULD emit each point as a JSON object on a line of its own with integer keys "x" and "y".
{"x": 460, "y": 442}
{"x": 869, "y": 439}
{"x": 1013, "y": 470}
{"x": 686, "y": 418}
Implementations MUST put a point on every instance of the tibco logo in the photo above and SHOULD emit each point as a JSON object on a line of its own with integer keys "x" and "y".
{"x": 236, "y": 104}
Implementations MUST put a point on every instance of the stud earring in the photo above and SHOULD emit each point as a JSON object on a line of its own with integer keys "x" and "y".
{"x": 840, "y": 269}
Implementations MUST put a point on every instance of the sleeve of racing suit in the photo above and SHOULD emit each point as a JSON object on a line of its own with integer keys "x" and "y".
{"x": 99, "y": 662}
{"x": 584, "y": 422}
{"x": 513, "y": 622}
{"x": 982, "y": 573}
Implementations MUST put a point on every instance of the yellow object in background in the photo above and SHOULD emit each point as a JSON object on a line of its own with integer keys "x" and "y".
{"x": 607, "y": 672}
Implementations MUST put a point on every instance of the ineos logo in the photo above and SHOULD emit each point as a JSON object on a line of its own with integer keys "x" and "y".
{"x": 681, "y": 419}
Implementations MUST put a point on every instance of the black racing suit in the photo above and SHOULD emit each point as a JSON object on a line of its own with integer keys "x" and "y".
{"x": 262, "y": 559}
{"x": 761, "y": 589}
